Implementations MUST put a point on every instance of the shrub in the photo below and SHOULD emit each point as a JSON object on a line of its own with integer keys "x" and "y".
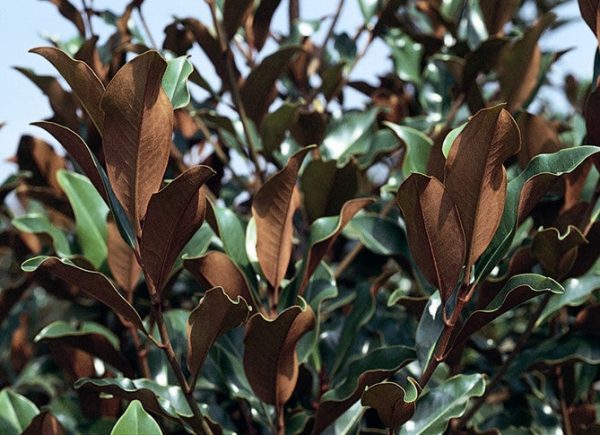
{"x": 261, "y": 258}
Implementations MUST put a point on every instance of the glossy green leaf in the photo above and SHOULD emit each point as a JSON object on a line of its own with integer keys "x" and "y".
{"x": 406, "y": 54}
{"x": 417, "y": 148}
{"x": 346, "y": 136}
{"x": 16, "y": 412}
{"x": 381, "y": 235}
{"x": 135, "y": 420}
{"x": 61, "y": 328}
{"x": 577, "y": 291}
{"x": 38, "y": 223}
{"x": 547, "y": 165}
{"x": 368, "y": 8}
{"x": 174, "y": 81}
{"x": 90, "y": 215}
{"x": 275, "y": 125}
{"x": 442, "y": 403}
{"x": 429, "y": 329}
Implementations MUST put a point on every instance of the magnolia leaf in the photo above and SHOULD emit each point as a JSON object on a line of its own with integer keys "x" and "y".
{"x": 16, "y": 413}
{"x": 538, "y": 136}
{"x": 557, "y": 252}
{"x": 217, "y": 270}
{"x": 135, "y": 420}
{"x": 37, "y": 223}
{"x": 348, "y": 135}
{"x": 258, "y": 91}
{"x": 496, "y": 13}
{"x": 85, "y": 83}
{"x": 589, "y": 13}
{"x": 44, "y": 423}
{"x": 275, "y": 124}
{"x": 442, "y": 403}
{"x": 235, "y": 13}
{"x": 174, "y": 81}
{"x": 539, "y": 175}
{"x": 273, "y": 209}
{"x": 137, "y": 133}
{"x": 90, "y": 215}
{"x": 381, "y": 235}
{"x": 91, "y": 282}
{"x": 417, "y": 147}
{"x": 121, "y": 260}
{"x": 518, "y": 289}
{"x": 577, "y": 291}
{"x": 476, "y": 178}
{"x": 40, "y": 159}
{"x": 369, "y": 369}
{"x": 173, "y": 217}
{"x": 261, "y": 22}
{"x": 79, "y": 151}
{"x": 89, "y": 337}
{"x": 435, "y": 233}
{"x": 429, "y": 329}
{"x": 394, "y": 405}
{"x": 326, "y": 187}
{"x": 70, "y": 12}
{"x": 324, "y": 232}
{"x": 270, "y": 359}
{"x": 520, "y": 63}
{"x": 215, "y": 314}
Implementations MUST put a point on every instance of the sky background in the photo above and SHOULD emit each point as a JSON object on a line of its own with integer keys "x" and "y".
{"x": 24, "y": 23}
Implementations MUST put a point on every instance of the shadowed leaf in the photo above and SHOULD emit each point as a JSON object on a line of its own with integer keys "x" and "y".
{"x": 215, "y": 314}
{"x": 174, "y": 215}
{"x": 85, "y": 84}
{"x": 137, "y": 133}
{"x": 435, "y": 233}
{"x": 476, "y": 178}
{"x": 39, "y": 158}
{"x": 367, "y": 370}
{"x": 394, "y": 405}
{"x": 273, "y": 208}
{"x": 262, "y": 21}
{"x": 258, "y": 91}
{"x": 557, "y": 252}
{"x": 496, "y": 13}
{"x": 538, "y": 136}
{"x": 589, "y": 13}
{"x": 71, "y": 13}
{"x": 518, "y": 289}
{"x": 91, "y": 282}
{"x": 270, "y": 359}
{"x": 44, "y": 423}
{"x": 37, "y": 223}
{"x": 234, "y": 14}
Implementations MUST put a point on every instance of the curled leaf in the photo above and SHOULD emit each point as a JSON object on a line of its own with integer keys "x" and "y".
{"x": 270, "y": 359}
{"x": 557, "y": 252}
{"x": 394, "y": 405}
{"x": 215, "y": 314}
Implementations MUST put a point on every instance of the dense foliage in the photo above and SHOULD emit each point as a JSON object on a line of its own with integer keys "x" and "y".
{"x": 262, "y": 256}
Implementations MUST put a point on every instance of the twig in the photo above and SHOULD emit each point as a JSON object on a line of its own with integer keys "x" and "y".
{"x": 88, "y": 14}
{"x": 506, "y": 364}
{"x": 234, "y": 88}
{"x": 146, "y": 28}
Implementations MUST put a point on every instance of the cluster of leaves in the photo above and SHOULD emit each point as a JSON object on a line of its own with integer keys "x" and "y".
{"x": 261, "y": 258}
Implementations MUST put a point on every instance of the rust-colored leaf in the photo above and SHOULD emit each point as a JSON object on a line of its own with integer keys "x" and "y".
{"x": 258, "y": 91}
{"x": 496, "y": 13}
{"x": 273, "y": 208}
{"x": 538, "y": 136}
{"x": 44, "y": 424}
{"x": 21, "y": 350}
{"x": 137, "y": 133}
{"x": 93, "y": 283}
{"x": 215, "y": 314}
{"x": 519, "y": 65}
{"x": 121, "y": 260}
{"x": 217, "y": 270}
{"x": 557, "y": 252}
{"x": 235, "y": 13}
{"x": 435, "y": 233}
{"x": 270, "y": 359}
{"x": 320, "y": 246}
{"x": 261, "y": 23}
{"x": 476, "y": 178}
{"x": 174, "y": 215}
{"x": 71, "y": 13}
{"x": 394, "y": 405}
{"x": 83, "y": 81}
{"x": 39, "y": 158}
{"x": 592, "y": 109}
{"x": 78, "y": 150}
{"x": 589, "y": 13}
{"x": 89, "y": 54}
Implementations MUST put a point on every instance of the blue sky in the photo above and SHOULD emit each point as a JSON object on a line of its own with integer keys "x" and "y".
{"x": 23, "y": 22}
